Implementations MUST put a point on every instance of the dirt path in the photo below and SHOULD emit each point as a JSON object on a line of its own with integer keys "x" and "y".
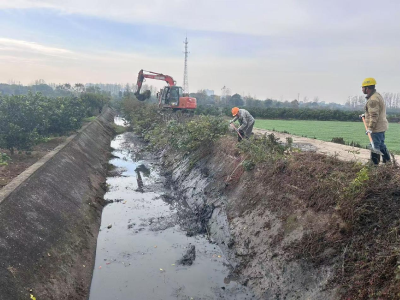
{"x": 21, "y": 161}
{"x": 343, "y": 152}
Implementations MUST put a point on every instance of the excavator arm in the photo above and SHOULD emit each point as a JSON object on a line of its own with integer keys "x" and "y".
{"x": 152, "y": 75}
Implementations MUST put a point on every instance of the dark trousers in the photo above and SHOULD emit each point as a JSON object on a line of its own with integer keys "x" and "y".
{"x": 249, "y": 129}
{"x": 246, "y": 133}
{"x": 379, "y": 142}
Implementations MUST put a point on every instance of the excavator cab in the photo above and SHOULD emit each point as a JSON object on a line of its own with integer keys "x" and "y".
{"x": 173, "y": 97}
{"x": 170, "y": 95}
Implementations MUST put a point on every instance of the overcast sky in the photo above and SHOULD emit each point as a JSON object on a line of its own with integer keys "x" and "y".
{"x": 264, "y": 48}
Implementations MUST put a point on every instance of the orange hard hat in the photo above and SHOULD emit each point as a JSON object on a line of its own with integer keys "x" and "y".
{"x": 235, "y": 111}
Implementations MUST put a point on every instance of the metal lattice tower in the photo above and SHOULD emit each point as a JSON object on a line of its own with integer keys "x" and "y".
{"x": 223, "y": 94}
{"x": 185, "y": 72}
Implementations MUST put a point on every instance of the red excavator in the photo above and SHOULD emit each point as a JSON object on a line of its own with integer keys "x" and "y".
{"x": 170, "y": 96}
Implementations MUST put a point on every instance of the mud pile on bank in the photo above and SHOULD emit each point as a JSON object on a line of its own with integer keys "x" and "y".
{"x": 298, "y": 225}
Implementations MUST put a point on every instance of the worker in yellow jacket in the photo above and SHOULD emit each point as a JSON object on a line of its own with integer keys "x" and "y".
{"x": 375, "y": 117}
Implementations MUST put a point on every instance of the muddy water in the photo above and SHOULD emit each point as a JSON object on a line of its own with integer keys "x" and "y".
{"x": 141, "y": 241}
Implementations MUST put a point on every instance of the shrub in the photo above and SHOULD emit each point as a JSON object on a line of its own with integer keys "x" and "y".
{"x": 175, "y": 129}
{"x": 4, "y": 159}
{"x": 19, "y": 123}
{"x": 94, "y": 102}
{"x": 338, "y": 140}
{"x": 248, "y": 165}
{"x": 261, "y": 149}
{"x": 28, "y": 119}
{"x": 355, "y": 144}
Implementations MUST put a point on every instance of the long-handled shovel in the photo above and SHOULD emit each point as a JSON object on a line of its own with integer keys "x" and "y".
{"x": 237, "y": 130}
{"x": 229, "y": 178}
{"x": 373, "y": 149}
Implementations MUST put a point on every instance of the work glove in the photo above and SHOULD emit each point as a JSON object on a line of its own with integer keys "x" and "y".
{"x": 368, "y": 131}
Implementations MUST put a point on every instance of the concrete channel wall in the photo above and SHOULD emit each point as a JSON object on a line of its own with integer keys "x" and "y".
{"x": 50, "y": 217}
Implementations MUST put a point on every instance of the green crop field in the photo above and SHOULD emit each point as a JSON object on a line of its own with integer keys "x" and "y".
{"x": 326, "y": 130}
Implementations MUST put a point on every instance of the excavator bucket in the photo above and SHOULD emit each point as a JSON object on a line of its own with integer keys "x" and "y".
{"x": 142, "y": 97}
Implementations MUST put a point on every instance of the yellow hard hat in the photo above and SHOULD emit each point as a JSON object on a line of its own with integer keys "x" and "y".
{"x": 235, "y": 111}
{"x": 369, "y": 81}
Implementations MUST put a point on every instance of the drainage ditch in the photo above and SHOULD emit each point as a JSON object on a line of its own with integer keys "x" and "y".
{"x": 147, "y": 247}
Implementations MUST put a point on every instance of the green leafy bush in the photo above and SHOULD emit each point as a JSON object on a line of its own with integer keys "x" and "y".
{"x": 27, "y": 119}
{"x": 175, "y": 129}
{"x": 262, "y": 149}
{"x": 357, "y": 185}
{"x": 4, "y": 159}
{"x": 94, "y": 102}
{"x": 338, "y": 140}
{"x": 248, "y": 165}
{"x": 20, "y": 122}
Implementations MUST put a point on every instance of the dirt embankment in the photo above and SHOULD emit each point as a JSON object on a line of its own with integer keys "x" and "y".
{"x": 50, "y": 216}
{"x": 281, "y": 225}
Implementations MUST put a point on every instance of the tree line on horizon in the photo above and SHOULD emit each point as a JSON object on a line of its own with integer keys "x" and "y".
{"x": 354, "y": 103}
{"x": 287, "y": 113}
{"x": 392, "y": 100}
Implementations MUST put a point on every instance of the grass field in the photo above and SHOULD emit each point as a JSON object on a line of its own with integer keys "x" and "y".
{"x": 326, "y": 130}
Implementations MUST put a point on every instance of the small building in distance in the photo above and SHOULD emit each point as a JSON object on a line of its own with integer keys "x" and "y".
{"x": 209, "y": 92}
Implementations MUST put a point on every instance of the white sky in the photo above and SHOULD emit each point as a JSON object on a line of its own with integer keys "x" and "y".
{"x": 264, "y": 48}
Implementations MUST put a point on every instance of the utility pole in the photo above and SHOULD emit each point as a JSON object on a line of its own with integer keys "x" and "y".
{"x": 185, "y": 72}
{"x": 223, "y": 94}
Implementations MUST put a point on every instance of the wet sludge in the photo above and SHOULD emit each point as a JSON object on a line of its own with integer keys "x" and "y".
{"x": 157, "y": 247}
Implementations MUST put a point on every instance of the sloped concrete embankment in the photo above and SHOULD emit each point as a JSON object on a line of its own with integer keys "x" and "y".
{"x": 252, "y": 233}
{"x": 50, "y": 216}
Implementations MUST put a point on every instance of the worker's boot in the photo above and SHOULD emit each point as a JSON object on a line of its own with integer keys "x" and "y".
{"x": 385, "y": 156}
{"x": 375, "y": 158}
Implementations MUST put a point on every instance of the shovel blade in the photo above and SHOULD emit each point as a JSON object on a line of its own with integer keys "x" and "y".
{"x": 374, "y": 150}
